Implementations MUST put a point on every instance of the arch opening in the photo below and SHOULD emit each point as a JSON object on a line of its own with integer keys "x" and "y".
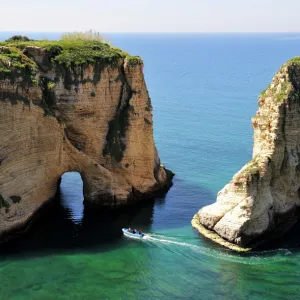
{"x": 71, "y": 195}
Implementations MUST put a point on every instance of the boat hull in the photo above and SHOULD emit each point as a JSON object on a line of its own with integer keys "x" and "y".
{"x": 132, "y": 235}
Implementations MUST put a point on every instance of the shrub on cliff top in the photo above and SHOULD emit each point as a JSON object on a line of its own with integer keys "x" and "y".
{"x": 90, "y": 35}
{"x": 18, "y": 38}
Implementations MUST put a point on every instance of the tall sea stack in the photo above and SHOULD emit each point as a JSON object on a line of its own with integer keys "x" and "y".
{"x": 262, "y": 200}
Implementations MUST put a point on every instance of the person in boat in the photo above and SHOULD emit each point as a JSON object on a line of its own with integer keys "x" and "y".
{"x": 134, "y": 231}
{"x": 129, "y": 229}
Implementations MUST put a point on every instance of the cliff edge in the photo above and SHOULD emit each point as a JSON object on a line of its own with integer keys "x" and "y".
{"x": 73, "y": 106}
{"x": 262, "y": 200}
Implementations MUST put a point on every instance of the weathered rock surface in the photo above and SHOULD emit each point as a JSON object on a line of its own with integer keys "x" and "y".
{"x": 263, "y": 198}
{"x": 93, "y": 118}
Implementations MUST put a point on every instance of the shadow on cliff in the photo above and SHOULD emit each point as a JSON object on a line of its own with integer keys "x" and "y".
{"x": 290, "y": 240}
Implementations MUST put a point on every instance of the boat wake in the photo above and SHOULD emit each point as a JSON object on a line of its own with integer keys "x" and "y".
{"x": 254, "y": 258}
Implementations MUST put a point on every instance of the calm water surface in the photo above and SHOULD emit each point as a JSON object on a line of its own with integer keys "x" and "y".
{"x": 204, "y": 91}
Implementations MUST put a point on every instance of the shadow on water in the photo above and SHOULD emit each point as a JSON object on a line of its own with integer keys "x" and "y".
{"x": 290, "y": 240}
{"x": 55, "y": 231}
{"x": 65, "y": 224}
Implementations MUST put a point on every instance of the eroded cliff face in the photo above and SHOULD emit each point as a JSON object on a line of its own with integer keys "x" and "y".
{"x": 262, "y": 200}
{"x": 94, "y": 118}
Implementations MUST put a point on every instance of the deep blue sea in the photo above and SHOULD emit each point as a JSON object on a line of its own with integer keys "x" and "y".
{"x": 204, "y": 90}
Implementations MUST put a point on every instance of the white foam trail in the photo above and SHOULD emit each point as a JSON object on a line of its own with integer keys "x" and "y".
{"x": 249, "y": 260}
{"x": 150, "y": 238}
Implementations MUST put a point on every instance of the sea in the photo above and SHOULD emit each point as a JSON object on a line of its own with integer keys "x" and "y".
{"x": 204, "y": 90}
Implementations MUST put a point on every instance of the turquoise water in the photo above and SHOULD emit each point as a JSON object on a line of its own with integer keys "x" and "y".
{"x": 204, "y": 91}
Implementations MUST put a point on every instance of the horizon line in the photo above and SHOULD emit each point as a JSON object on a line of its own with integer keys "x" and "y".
{"x": 156, "y": 32}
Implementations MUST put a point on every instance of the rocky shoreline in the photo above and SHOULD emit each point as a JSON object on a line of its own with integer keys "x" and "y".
{"x": 211, "y": 235}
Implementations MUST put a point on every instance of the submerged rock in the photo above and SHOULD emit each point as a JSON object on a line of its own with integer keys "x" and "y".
{"x": 73, "y": 106}
{"x": 262, "y": 200}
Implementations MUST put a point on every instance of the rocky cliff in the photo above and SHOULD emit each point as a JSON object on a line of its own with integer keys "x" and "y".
{"x": 262, "y": 200}
{"x": 73, "y": 106}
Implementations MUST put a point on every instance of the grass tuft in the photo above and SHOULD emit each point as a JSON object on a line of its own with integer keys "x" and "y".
{"x": 90, "y": 35}
{"x": 134, "y": 60}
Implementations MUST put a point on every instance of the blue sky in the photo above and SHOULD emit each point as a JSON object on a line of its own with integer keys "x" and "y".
{"x": 151, "y": 15}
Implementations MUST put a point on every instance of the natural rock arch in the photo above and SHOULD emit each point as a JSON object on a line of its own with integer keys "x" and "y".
{"x": 93, "y": 118}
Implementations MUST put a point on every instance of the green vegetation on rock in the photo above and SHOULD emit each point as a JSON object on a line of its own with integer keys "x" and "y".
{"x": 295, "y": 60}
{"x": 283, "y": 92}
{"x": 278, "y": 94}
{"x": 68, "y": 56}
{"x": 14, "y": 64}
{"x": 18, "y": 38}
{"x": 284, "y": 85}
{"x": 74, "y": 52}
{"x": 48, "y": 99}
{"x": 251, "y": 167}
{"x": 250, "y": 170}
{"x": 134, "y": 60}
{"x": 263, "y": 93}
{"x": 51, "y": 85}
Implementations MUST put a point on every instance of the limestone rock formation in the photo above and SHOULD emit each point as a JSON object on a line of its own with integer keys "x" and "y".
{"x": 263, "y": 198}
{"x": 73, "y": 106}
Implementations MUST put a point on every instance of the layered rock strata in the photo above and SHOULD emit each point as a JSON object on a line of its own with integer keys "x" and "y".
{"x": 263, "y": 198}
{"x": 81, "y": 108}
